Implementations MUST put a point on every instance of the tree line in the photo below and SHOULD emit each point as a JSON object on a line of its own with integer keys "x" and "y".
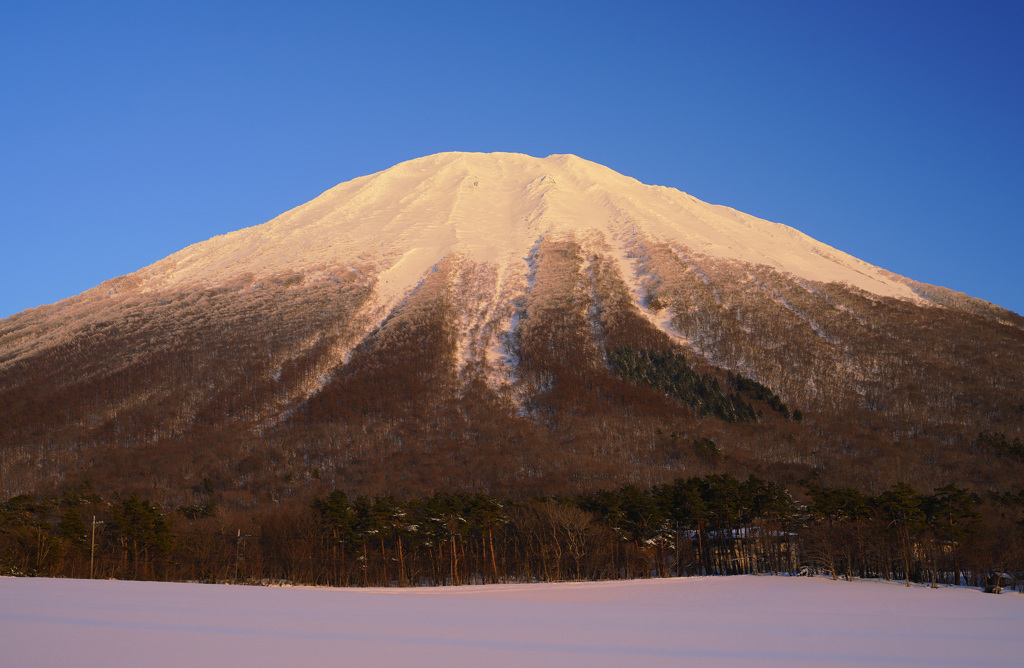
{"x": 715, "y": 524}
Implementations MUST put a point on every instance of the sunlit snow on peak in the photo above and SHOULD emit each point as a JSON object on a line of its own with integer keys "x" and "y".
{"x": 492, "y": 207}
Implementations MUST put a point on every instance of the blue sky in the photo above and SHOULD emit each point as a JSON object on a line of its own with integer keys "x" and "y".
{"x": 891, "y": 131}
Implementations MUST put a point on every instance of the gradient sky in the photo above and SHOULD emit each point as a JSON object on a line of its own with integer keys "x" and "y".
{"x": 890, "y": 130}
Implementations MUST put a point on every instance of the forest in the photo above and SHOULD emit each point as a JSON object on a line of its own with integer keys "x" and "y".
{"x": 711, "y": 525}
{"x": 272, "y": 431}
{"x": 560, "y": 386}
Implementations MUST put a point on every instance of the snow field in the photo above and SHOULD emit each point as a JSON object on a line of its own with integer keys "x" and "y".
{"x": 720, "y": 621}
{"x": 492, "y": 208}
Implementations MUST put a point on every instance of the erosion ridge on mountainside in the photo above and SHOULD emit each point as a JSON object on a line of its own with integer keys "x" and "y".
{"x": 509, "y": 324}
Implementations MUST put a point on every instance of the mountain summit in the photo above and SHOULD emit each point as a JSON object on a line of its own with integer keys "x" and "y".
{"x": 494, "y": 208}
{"x": 504, "y": 322}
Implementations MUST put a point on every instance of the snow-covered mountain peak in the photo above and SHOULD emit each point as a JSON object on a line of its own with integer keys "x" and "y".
{"x": 494, "y": 208}
{"x": 514, "y": 318}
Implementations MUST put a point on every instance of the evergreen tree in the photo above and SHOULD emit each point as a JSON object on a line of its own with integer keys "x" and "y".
{"x": 902, "y": 512}
{"x": 141, "y": 531}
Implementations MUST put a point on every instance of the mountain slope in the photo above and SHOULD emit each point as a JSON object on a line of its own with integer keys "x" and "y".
{"x": 502, "y": 322}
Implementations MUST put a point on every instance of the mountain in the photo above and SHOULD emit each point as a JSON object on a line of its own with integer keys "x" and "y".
{"x": 511, "y": 324}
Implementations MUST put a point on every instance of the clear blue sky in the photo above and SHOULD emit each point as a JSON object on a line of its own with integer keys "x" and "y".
{"x": 890, "y": 130}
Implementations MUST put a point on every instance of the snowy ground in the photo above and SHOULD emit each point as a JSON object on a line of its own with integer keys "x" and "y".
{"x": 734, "y": 621}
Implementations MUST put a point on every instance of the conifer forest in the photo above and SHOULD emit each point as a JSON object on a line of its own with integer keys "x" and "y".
{"x": 716, "y": 524}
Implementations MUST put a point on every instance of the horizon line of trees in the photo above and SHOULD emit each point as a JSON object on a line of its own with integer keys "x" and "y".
{"x": 711, "y": 525}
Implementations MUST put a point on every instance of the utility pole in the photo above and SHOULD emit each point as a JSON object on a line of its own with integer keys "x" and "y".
{"x": 92, "y": 546}
{"x": 238, "y": 551}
